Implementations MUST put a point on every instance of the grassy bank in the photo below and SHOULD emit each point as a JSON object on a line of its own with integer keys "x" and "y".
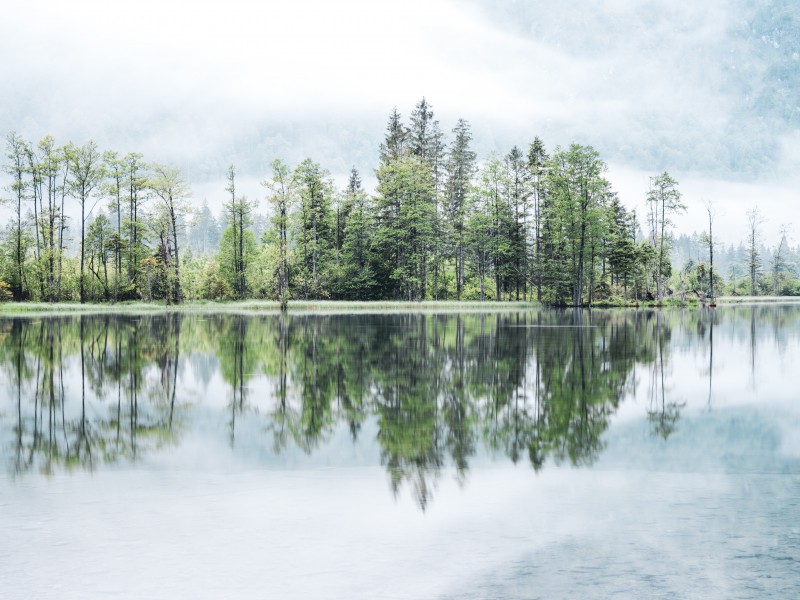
{"x": 758, "y": 300}
{"x": 667, "y": 303}
{"x": 261, "y": 306}
{"x": 333, "y": 306}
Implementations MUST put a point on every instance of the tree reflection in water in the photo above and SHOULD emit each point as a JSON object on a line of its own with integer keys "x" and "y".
{"x": 93, "y": 390}
{"x": 100, "y": 419}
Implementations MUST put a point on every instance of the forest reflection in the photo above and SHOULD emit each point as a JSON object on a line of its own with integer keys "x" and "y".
{"x": 535, "y": 386}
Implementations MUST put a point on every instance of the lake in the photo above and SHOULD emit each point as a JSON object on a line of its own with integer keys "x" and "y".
{"x": 536, "y": 454}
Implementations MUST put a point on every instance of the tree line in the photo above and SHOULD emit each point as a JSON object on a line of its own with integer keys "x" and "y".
{"x": 529, "y": 225}
{"x": 131, "y": 218}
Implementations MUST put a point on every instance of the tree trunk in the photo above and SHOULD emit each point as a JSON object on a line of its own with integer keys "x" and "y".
{"x": 83, "y": 228}
{"x": 177, "y": 256}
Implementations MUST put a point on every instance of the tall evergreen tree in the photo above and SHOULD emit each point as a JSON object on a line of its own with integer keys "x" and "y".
{"x": 315, "y": 227}
{"x": 779, "y": 263}
{"x": 518, "y": 193}
{"x": 496, "y": 220}
{"x": 395, "y": 143}
{"x": 537, "y": 161}
{"x": 358, "y": 281}
{"x": 404, "y": 230}
{"x": 622, "y": 246}
{"x": 237, "y": 238}
{"x": 460, "y": 168}
{"x": 343, "y": 206}
{"x": 484, "y": 227}
{"x": 387, "y": 207}
{"x": 576, "y": 197}
{"x": 754, "y": 266}
{"x": 426, "y": 142}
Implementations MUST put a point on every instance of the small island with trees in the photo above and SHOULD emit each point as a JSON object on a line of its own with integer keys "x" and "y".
{"x": 531, "y": 226}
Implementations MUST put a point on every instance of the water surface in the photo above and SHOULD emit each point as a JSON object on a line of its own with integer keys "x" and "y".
{"x": 494, "y": 455}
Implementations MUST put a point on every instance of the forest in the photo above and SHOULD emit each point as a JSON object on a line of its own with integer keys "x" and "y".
{"x": 533, "y": 225}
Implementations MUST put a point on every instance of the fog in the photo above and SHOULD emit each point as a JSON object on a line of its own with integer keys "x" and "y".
{"x": 704, "y": 90}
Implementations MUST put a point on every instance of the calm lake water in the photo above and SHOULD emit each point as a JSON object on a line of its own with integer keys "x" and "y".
{"x": 541, "y": 454}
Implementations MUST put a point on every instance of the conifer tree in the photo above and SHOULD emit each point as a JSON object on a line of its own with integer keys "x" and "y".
{"x": 573, "y": 216}
{"x": 754, "y": 222}
{"x": 315, "y": 227}
{"x": 622, "y": 247}
{"x": 426, "y": 142}
{"x": 460, "y": 168}
{"x": 518, "y": 194}
{"x": 358, "y": 282}
{"x": 395, "y": 143}
{"x": 237, "y": 240}
{"x": 537, "y": 161}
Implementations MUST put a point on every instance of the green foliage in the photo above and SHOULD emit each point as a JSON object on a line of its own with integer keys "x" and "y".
{"x": 404, "y": 229}
{"x": 5, "y": 291}
{"x": 281, "y": 197}
{"x": 664, "y": 201}
{"x": 214, "y": 286}
{"x": 236, "y": 245}
{"x": 440, "y": 226}
{"x": 574, "y": 221}
{"x": 358, "y": 279}
{"x": 313, "y": 229}
{"x": 696, "y": 279}
{"x": 235, "y": 249}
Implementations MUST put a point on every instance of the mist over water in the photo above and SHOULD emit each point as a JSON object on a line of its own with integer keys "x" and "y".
{"x": 461, "y": 455}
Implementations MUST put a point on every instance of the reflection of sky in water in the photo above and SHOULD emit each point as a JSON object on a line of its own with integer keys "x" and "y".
{"x": 710, "y": 512}
{"x": 323, "y": 533}
{"x": 737, "y": 379}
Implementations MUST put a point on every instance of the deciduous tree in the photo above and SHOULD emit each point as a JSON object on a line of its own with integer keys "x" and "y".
{"x": 663, "y": 201}
{"x": 169, "y": 185}
{"x": 86, "y": 173}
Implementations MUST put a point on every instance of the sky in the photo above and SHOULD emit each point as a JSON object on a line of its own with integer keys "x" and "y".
{"x": 707, "y": 91}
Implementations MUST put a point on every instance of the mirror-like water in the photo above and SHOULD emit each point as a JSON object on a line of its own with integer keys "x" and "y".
{"x": 488, "y": 455}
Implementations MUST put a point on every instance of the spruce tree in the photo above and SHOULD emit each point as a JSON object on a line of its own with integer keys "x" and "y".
{"x": 315, "y": 227}
{"x": 537, "y": 161}
{"x": 460, "y": 169}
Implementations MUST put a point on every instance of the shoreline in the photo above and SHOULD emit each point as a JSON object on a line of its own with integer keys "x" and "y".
{"x": 342, "y": 307}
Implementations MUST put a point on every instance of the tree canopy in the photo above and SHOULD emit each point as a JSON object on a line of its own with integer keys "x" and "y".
{"x": 442, "y": 224}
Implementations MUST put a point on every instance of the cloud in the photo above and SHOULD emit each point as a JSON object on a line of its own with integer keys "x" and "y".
{"x": 652, "y": 84}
